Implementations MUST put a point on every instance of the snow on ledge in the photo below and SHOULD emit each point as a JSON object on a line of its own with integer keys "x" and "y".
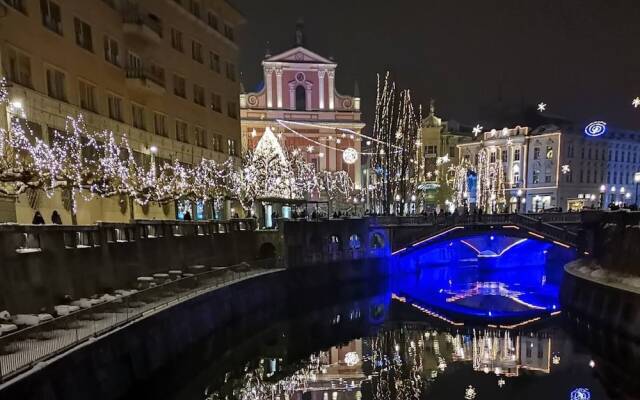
{"x": 590, "y": 270}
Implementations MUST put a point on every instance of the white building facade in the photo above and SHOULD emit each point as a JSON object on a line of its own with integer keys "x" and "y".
{"x": 552, "y": 167}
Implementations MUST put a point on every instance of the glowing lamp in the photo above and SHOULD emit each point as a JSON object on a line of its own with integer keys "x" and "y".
{"x": 603, "y": 188}
{"x": 153, "y": 149}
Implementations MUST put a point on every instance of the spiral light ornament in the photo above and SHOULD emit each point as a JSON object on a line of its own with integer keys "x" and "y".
{"x": 596, "y": 128}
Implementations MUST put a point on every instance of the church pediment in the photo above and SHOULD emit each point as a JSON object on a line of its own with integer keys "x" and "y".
{"x": 299, "y": 55}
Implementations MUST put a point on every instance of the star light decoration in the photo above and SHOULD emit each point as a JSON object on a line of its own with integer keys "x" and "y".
{"x": 636, "y": 102}
{"x": 565, "y": 169}
{"x": 542, "y": 107}
{"x": 477, "y": 130}
{"x": 501, "y": 382}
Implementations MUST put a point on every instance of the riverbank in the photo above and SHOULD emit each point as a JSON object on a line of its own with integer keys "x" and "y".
{"x": 107, "y": 368}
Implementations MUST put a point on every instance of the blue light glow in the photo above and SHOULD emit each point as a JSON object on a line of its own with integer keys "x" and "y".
{"x": 596, "y": 128}
{"x": 580, "y": 394}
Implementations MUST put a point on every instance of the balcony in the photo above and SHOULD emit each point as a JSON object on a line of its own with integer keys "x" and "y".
{"x": 146, "y": 27}
{"x": 145, "y": 81}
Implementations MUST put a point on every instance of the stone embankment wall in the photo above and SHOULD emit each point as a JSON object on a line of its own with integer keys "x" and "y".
{"x": 108, "y": 368}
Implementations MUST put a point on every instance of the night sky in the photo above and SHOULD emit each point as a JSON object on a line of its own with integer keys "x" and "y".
{"x": 481, "y": 60}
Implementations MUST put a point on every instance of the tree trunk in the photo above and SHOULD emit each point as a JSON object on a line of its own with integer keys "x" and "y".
{"x": 131, "y": 209}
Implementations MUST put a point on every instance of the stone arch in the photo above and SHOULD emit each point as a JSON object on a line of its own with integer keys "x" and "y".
{"x": 377, "y": 241}
{"x": 354, "y": 241}
{"x": 301, "y": 98}
{"x": 267, "y": 250}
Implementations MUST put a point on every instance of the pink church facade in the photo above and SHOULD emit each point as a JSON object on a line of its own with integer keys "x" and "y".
{"x": 300, "y": 103}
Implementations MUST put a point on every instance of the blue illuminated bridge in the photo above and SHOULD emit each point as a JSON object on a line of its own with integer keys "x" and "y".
{"x": 506, "y": 269}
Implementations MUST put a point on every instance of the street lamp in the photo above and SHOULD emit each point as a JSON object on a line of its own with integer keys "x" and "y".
{"x": 622, "y": 194}
{"x": 603, "y": 189}
{"x": 397, "y": 207}
{"x": 519, "y": 195}
{"x": 536, "y": 202}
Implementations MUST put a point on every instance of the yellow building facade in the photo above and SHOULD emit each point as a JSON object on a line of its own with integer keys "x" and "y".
{"x": 163, "y": 72}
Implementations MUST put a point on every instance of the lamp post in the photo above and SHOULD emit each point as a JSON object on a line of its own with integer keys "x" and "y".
{"x": 397, "y": 207}
{"x": 622, "y": 195}
{"x": 413, "y": 204}
{"x": 524, "y": 203}
{"x": 613, "y": 194}
{"x": 536, "y": 203}
{"x": 519, "y": 194}
{"x": 636, "y": 179}
{"x": 603, "y": 189}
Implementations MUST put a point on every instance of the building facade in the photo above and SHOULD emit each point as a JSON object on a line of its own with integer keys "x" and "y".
{"x": 552, "y": 167}
{"x": 299, "y": 101}
{"x": 163, "y": 72}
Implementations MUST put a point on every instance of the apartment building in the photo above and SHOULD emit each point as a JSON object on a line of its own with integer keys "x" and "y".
{"x": 163, "y": 72}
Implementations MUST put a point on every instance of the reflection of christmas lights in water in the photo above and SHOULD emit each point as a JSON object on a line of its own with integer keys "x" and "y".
{"x": 580, "y": 394}
{"x": 470, "y": 393}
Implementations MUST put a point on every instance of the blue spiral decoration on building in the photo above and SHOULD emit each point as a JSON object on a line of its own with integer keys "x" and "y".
{"x": 596, "y": 128}
{"x": 580, "y": 394}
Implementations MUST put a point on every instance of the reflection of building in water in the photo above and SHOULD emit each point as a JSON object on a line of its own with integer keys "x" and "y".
{"x": 338, "y": 376}
{"x": 501, "y": 353}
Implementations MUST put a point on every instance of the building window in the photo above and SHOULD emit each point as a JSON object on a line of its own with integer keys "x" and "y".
{"x": 452, "y": 151}
{"x": 516, "y": 155}
{"x": 231, "y": 147}
{"x": 160, "y": 124}
{"x": 199, "y": 136}
{"x": 194, "y": 8}
{"x": 536, "y": 176}
{"x": 179, "y": 86}
{"x": 111, "y": 51}
{"x": 536, "y": 153}
{"x": 176, "y": 40}
{"x": 504, "y": 155}
{"x": 83, "y": 34}
{"x": 19, "y": 68}
{"x": 115, "y": 107}
{"x": 588, "y": 176}
{"x": 216, "y": 102}
{"x": 137, "y": 116}
{"x": 615, "y": 177}
{"x": 198, "y": 95}
{"x": 134, "y": 66}
{"x": 616, "y": 155}
{"x": 228, "y": 32}
{"x": 56, "y": 85}
{"x": 214, "y": 62}
{"x": 181, "y": 131}
{"x": 232, "y": 110}
{"x": 217, "y": 143}
{"x": 549, "y": 153}
{"x": 212, "y": 20}
{"x": 431, "y": 150}
{"x": 87, "y": 96}
{"x": 17, "y": 5}
{"x": 196, "y": 51}
{"x": 492, "y": 157}
{"x": 581, "y": 176}
{"x": 156, "y": 73}
{"x": 51, "y": 16}
{"x": 231, "y": 72}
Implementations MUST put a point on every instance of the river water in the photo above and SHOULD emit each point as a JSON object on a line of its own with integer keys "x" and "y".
{"x": 456, "y": 331}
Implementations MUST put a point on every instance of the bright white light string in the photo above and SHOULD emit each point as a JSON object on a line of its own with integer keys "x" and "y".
{"x": 285, "y": 124}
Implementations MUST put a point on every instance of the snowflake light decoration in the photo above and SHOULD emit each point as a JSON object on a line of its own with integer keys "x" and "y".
{"x": 566, "y": 169}
{"x": 636, "y": 102}
{"x": 555, "y": 359}
{"x": 542, "y": 107}
{"x": 470, "y": 393}
{"x": 350, "y": 155}
{"x": 501, "y": 382}
{"x": 477, "y": 130}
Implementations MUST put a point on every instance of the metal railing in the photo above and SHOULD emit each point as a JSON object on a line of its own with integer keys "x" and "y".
{"x": 23, "y": 349}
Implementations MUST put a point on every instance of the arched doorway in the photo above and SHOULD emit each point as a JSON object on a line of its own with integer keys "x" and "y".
{"x": 267, "y": 250}
{"x": 301, "y": 98}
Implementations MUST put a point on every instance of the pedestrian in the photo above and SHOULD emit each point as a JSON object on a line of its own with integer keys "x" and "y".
{"x": 37, "y": 219}
{"x": 314, "y": 214}
{"x": 55, "y": 218}
{"x": 187, "y": 216}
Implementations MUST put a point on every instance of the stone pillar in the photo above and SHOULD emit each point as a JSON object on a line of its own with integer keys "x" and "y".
{"x": 308, "y": 92}
{"x": 269, "y": 86}
{"x": 321, "y": 88}
{"x": 292, "y": 96}
{"x": 332, "y": 75}
{"x": 279, "y": 87}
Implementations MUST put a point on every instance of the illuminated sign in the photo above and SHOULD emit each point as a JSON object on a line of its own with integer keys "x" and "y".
{"x": 596, "y": 128}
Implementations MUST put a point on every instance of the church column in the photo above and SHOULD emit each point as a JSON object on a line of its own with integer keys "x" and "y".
{"x": 279, "y": 86}
{"x": 332, "y": 75}
{"x": 321, "y": 88}
{"x": 292, "y": 96}
{"x": 269, "y": 84}
{"x": 308, "y": 93}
